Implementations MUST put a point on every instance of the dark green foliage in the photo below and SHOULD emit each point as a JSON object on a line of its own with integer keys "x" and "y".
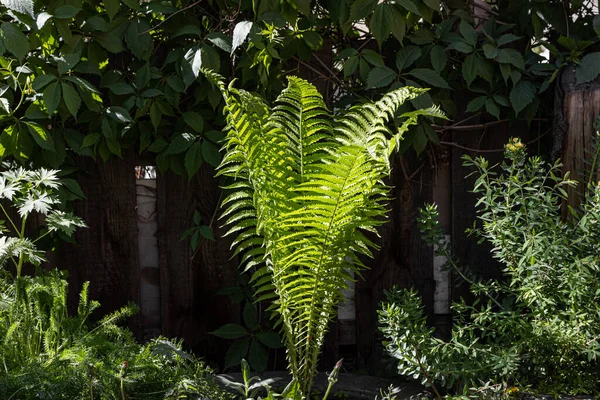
{"x": 95, "y": 79}
{"x": 538, "y": 328}
{"x": 255, "y": 338}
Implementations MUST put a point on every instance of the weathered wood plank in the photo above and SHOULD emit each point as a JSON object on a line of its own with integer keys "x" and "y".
{"x": 403, "y": 260}
{"x": 106, "y": 253}
{"x": 581, "y": 107}
{"x": 191, "y": 307}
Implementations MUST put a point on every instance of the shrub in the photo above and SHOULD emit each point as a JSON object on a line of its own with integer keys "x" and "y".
{"x": 537, "y": 328}
{"x": 45, "y": 352}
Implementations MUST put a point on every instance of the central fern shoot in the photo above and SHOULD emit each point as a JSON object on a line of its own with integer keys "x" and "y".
{"x": 307, "y": 186}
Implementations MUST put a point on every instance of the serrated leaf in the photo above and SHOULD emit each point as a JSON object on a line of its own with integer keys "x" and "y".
{"x": 461, "y": 46}
{"x": 236, "y": 352}
{"x": 380, "y": 23}
{"x": 240, "y": 33}
{"x": 510, "y": 56}
{"x": 40, "y": 135}
{"x": 420, "y": 139}
{"x": 469, "y": 68}
{"x": 350, "y": 65}
{"x": 522, "y": 95}
{"x": 133, "y": 4}
{"x": 406, "y": 56}
{"x": 409, "y": 6}
{"x": 303, "y": 6}
{"x": 210, "y": 153}
{"x": 193, "y": 159}
{"x": 360, "y": 9}
{"x": 118, "y": 114}
{"x": 257, "y": 356}
{"x": 52, "y": 95}
{"x": 66, "y": 12}
{"x": 15, "y": 41}
{"x": 214, "y": 136}
{"x": 91, "y": 139}
{"x": 468, "y": 32}
{"x": 142, "y": 76}
{"x": 176, "y": 83}
{"x": 596, "y": 25}
{"x": 490, "y": 51}
{"x": 250, "y": 315}
{"x": 194, "y": 121}
{"x": 429, "y": 76}
{"x": 155, "y": 115}
{"x": 194, "y": 58}
{"x": 505, "y": 72}
{"x": 121, "y": 88}
{"x": 373, "y": 58}
{"x": 492, "y": 108}
{"x": 20, "y": 6}
{"x": 433, "y": 4}
{"x": 220, "y": 40}
{"x": 180, "y": 143}
{"x": 502, "y": 100}
{"x": 41, "y": 20}
{"x": 158, "y": 145}
{"x": 230, "y": 331}
{"x": 588, "y": 69}
{"x": 270, "y": 339}
{"x": 138, "y": 39}
{"x": 110, "y": 41}
{"x": 112, "y": 7}
{"x": 380, "y": 77}
{"x": 41, "y": 81}
{"x": 73, "y": 186}
{"x": 313, "y": 40}
{"x": 71, "y": 98}
{"x": 438, "y": 58}
{"x": 193, "y": 30}
{"x": 508, "y": 38}
{"x": 398, "y": 23}
{"x": 150, "y": 93}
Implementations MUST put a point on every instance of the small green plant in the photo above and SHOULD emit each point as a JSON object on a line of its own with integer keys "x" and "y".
{"x": 538, "y": 328}
{"x": 197, "y": 232}
{"x": 252, "y": 385}
{"x": 307, "y": 185}
{"x": 31, "y": 191}
{"x": 256, "y": 336}
{"x": 46, "y": 352}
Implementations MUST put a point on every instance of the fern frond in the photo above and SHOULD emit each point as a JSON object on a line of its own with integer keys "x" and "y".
{"x": 307, "y": 187}
{"x": 300, "y": 114}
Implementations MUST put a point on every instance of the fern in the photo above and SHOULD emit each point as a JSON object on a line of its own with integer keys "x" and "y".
{"x": 307, "y": 186}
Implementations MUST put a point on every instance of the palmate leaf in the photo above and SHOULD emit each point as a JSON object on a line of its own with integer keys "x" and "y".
{"x": 38, "y": 200}
{"x": 64, "y": 222}
{"x": 12, "y": 247}
{"x": 307, "y": 185}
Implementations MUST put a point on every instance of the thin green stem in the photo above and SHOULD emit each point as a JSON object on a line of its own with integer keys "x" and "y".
{"x": 42, "y": 236}
{"x": 9, "y": 219}
{"x": 21, "y": 236}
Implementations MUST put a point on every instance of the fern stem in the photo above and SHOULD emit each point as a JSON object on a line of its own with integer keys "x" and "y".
{"x": 21, "y": 236}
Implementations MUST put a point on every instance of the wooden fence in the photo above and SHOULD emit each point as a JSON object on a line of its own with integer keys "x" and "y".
{"x": 107, "y": 253}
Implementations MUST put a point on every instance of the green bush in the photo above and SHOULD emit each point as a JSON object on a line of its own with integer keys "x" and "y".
{"x": 537, "y": 328}
{"x": 46, "y": 353}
